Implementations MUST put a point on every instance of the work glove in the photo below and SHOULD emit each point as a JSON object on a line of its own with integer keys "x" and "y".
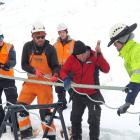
{"x": 132, "y": 90}
{"x": 62, "y": 98}
{"x": 38, "y": 73}
{"x": 67, "y": 83}
{"x": 5, "y": 67}
{"x": 128, "y": 88}
{"x": 122, "y": 109}
{"x": 54, "y": 78}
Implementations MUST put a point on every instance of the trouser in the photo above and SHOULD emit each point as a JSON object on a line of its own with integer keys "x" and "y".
{"x": 79, "y": 103}
{"x": 10, "y": 90}
{"x": 44, "y": 96}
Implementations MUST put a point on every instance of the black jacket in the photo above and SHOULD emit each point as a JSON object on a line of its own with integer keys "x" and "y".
{"x": 30, "y": 47}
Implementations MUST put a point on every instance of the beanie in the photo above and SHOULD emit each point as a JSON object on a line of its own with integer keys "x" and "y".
{"x": 79, "y": 48}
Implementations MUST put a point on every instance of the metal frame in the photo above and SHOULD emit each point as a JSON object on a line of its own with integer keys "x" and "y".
{"x": 13, "y": 109}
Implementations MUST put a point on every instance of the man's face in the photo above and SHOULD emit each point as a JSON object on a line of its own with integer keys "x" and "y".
{"x": 39, "y": 38}
{"x": 118, "y": 45}
{"x": 1, "y": 40}
{"x": 82, "y": 57}
{"x": 62, "y": 34}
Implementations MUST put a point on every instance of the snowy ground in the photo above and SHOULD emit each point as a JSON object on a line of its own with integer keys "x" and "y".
{"x": 87, "y": 20}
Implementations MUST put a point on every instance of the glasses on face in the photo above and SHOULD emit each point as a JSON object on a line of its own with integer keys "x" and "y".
{"x": 40, "y": 37}
{"x": 1, "y": 37}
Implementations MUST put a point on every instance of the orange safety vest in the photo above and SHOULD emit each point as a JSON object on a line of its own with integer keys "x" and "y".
{"x": 4, "y": 58}
{"x": 63, "y": 52}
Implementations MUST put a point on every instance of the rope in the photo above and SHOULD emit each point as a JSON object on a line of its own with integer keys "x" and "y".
{"x": 19, "y": 71}
{"x": 95, "y": 101}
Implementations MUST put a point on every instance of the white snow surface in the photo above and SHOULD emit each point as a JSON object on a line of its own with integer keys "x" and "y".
{"x": 89, "y": 21}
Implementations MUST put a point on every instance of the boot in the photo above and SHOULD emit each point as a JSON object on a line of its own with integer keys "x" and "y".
{"x": 26, "y": 133}
{"x": 71, "y": 138}
{"x": 51, "y": 137}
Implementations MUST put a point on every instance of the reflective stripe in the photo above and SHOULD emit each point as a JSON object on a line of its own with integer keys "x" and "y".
{"x": 51, "y": 133}
{"x": 24, "y": 122}
{"x": 136, "y": 72}
{"x": 25, "y": 127}
{"x": 45, "y": 75}
{"x": 8, "y": 47}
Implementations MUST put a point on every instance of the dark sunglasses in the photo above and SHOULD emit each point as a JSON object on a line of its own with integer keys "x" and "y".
{"x": 1, "y": 37}
{"x": 40, "y": 37}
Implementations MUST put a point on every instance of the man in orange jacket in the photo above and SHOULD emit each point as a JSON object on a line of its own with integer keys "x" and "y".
{"x": 7, "y": 62}
{"x": 64, "y": 48}
{"x": 39, "y": 58}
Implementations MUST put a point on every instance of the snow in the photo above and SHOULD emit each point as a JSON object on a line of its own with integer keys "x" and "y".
{"x": 89, "y": 21}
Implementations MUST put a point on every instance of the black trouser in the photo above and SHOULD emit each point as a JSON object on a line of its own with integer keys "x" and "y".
{"x": 79, "y": 104}
{"x": 8, "y": 86}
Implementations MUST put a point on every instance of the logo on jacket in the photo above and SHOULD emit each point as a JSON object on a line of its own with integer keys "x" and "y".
{"x": 89, "y": 62}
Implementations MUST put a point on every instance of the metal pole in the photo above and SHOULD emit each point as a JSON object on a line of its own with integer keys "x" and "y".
{"x": 63, "y": 124}
{"x": 61, "y": 84}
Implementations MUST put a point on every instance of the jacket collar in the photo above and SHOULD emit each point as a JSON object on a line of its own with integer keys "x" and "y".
{"x": 68, "y": 38}
{"x": 126, "y": 48}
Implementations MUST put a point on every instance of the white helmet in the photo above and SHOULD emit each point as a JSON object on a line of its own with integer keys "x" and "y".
{"x": 61, "y": 27}
{"x": 121, "y": 32}
{"x": 116, "y": 29}
{"x": 38, "y": 27}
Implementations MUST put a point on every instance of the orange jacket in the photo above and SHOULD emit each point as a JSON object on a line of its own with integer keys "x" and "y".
{"x": 4, "y": 57}
{"x": 64, "y": 51}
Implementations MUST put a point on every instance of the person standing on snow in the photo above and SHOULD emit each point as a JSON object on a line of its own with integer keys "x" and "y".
{"x": 82, "y": 65}
{"x": 39, "y": 58}
{"x": 7, "y": 62}
{"x": 122, "y": 36}
{"x": 64, "y": 48}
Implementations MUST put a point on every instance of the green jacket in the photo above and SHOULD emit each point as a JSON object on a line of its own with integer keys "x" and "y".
{"x": 131, "y": 54}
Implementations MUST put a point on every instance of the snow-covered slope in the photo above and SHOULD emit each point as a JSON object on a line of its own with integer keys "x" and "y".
{"x": 87, "y": 20}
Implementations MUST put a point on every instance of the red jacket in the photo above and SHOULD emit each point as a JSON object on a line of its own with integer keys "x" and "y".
{"x": 83, "y": 73}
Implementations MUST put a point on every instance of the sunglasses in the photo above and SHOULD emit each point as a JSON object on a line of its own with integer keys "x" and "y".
{"x": 1, "y": 37}
{"x": 40, "y": 37}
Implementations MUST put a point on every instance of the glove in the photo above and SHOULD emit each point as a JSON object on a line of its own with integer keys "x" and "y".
{"x": 54, "y": 78}
{"x": 67, "y": 83}
{"x": 38, "y": 73}
{"x": 62, "y": 98}
{"x": 128, "y": 88}
{"x": 5, "y": 67}
{"x": 122, "y": 109}
{"x": 132, "y": 90}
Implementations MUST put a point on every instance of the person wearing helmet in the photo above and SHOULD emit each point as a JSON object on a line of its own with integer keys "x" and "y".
{"x": 39, "y": 59}
{"x": 64, "y": 48}
{"x": 122, "y": 37}
{"x": 7, "y": 63}
{"x": 82, "y": 64}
